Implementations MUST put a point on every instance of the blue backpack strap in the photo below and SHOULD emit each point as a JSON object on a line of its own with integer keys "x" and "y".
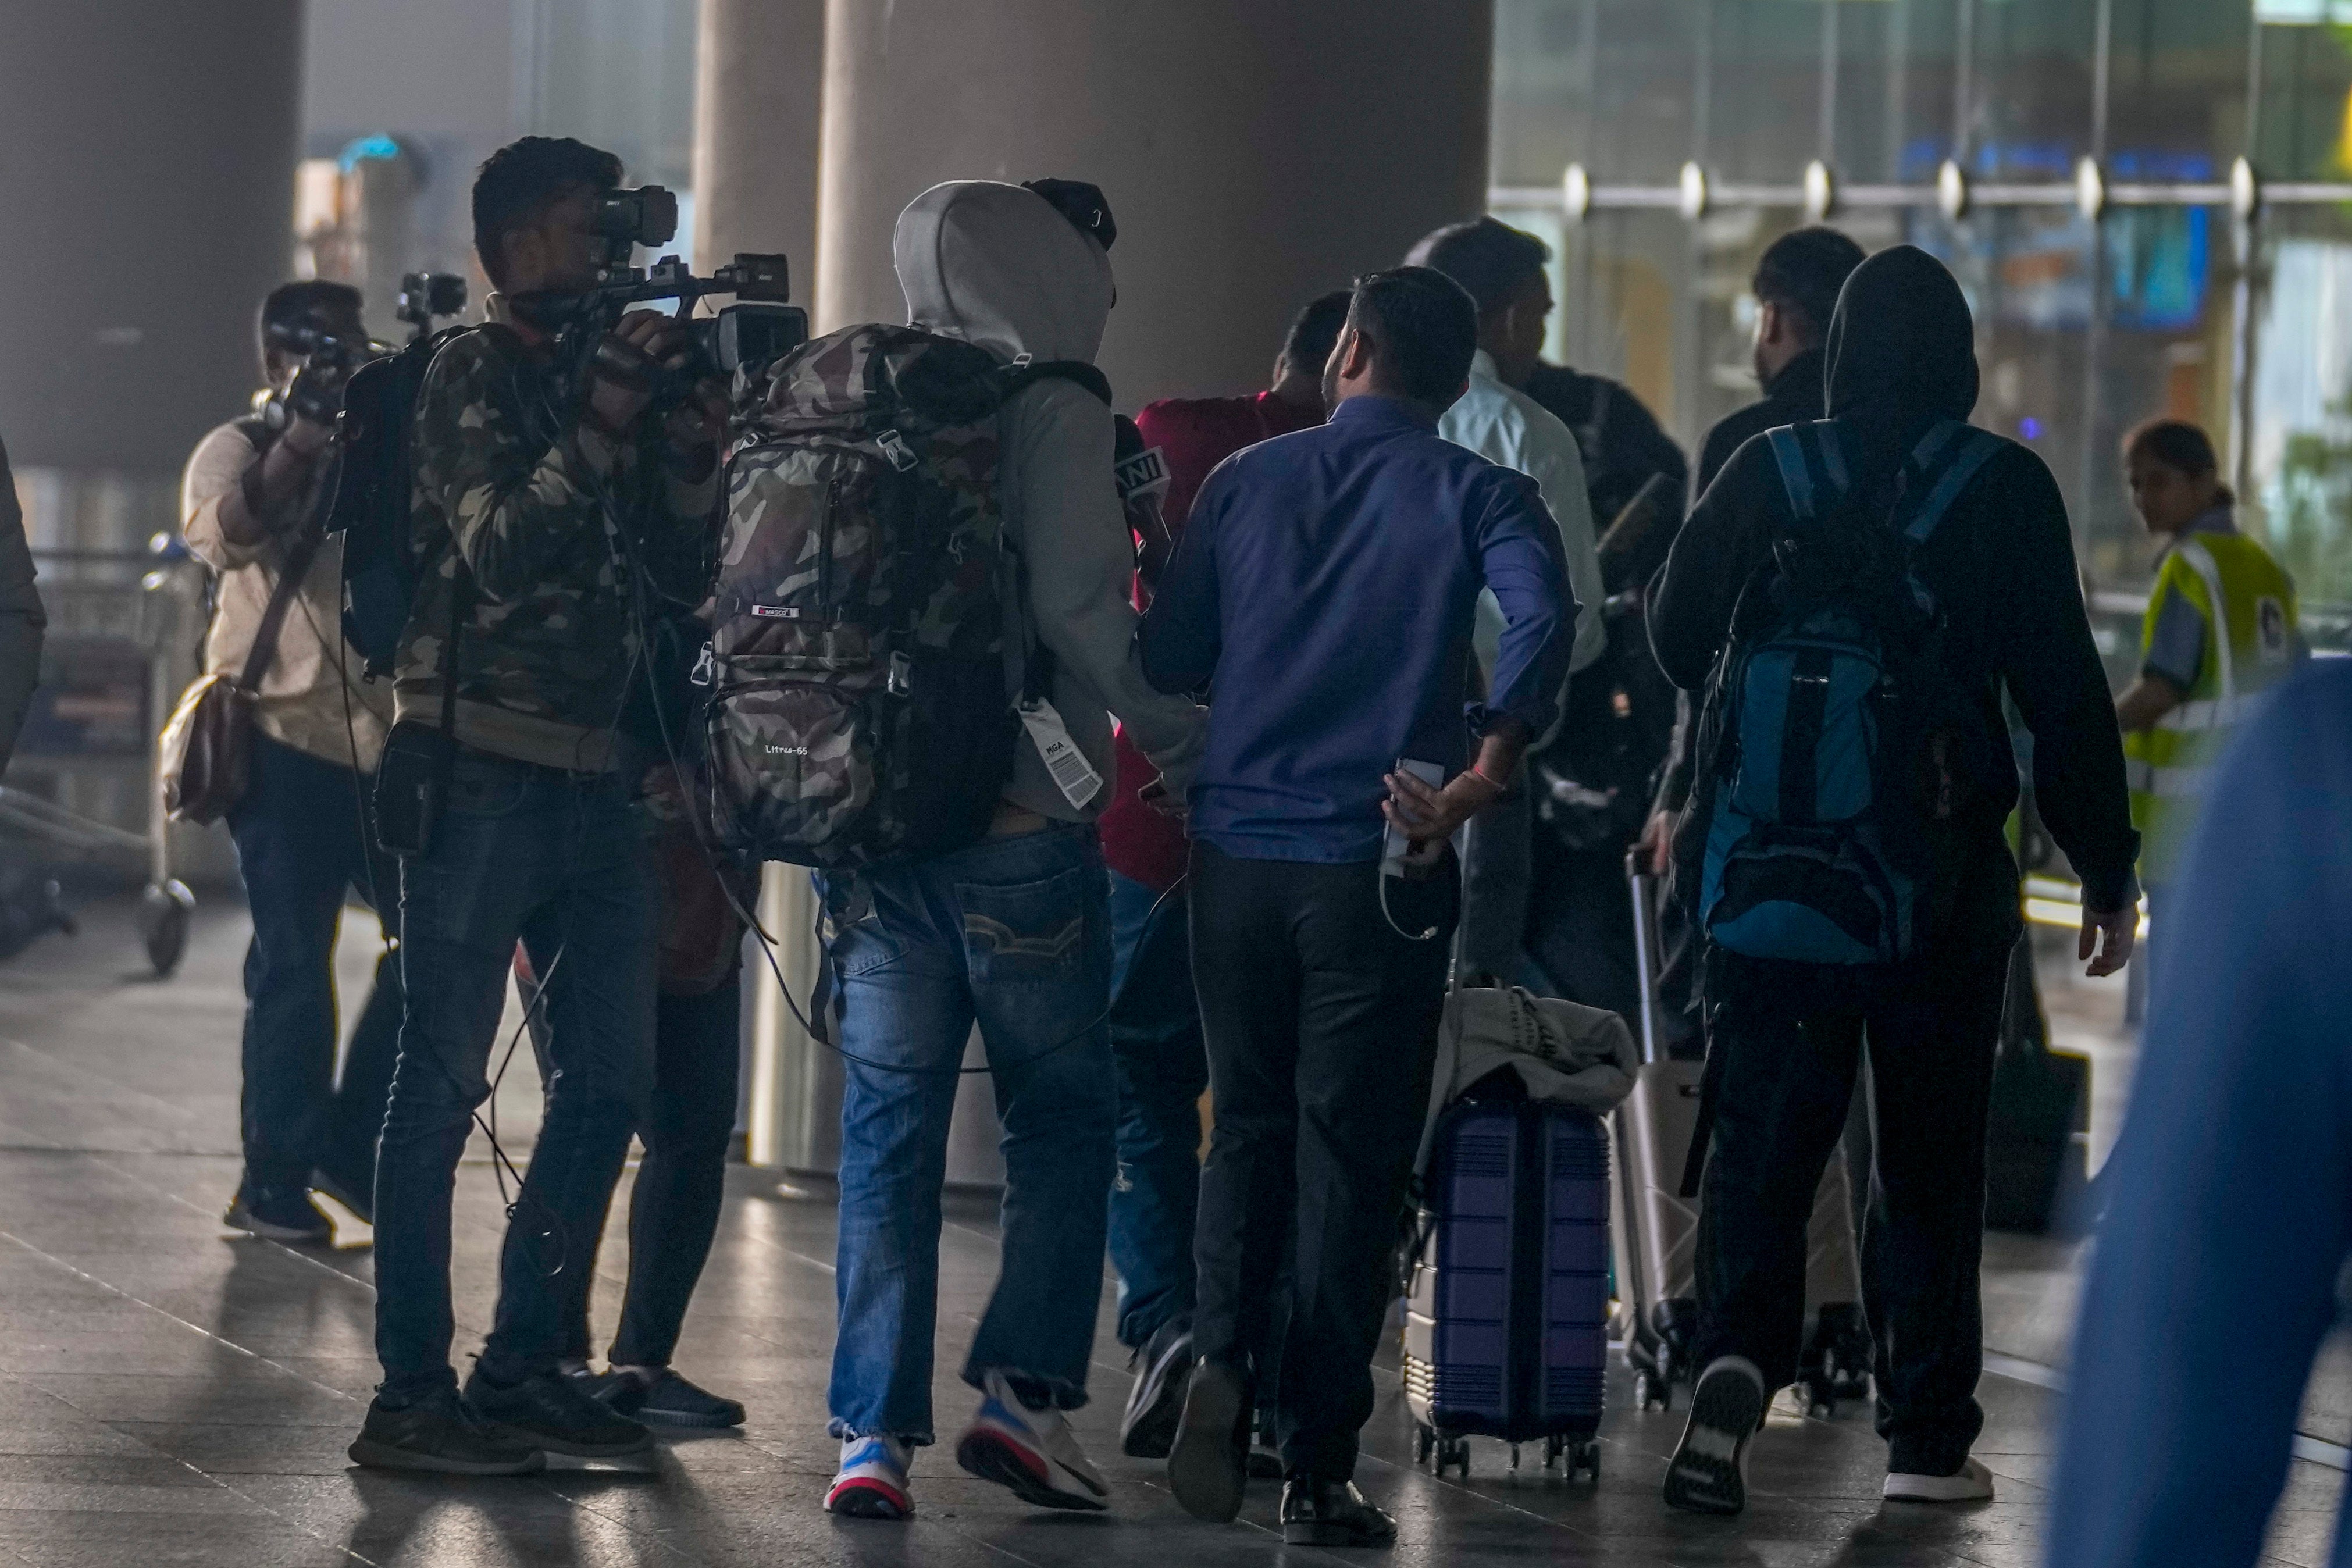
{"x": 1826, "y": 432}
{"x": 1796, "y": 474}
{"x": 1963, "y": 449}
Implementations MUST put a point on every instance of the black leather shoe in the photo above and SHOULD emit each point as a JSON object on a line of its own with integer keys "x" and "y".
{"x": 440, "y": 1435}
{"x": 551, "y": 1411}
{"x": 1332, "y": 1513}
{"x": 1147, "y": 1430}
{"x": 1207, "y": 1468}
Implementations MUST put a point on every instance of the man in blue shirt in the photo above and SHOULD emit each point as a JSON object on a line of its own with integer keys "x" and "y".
{"x": 1326, "y": 585}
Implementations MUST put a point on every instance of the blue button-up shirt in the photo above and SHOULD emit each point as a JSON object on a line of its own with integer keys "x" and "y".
{"x": 1324, "y": 585}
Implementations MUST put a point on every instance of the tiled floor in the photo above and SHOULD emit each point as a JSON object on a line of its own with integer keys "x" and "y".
{"x": 171, "y": 1395}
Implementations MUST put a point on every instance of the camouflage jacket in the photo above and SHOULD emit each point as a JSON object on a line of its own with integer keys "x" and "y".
{"x": 548, "y": 645}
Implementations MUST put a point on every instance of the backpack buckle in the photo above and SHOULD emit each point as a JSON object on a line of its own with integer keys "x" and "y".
{"x": 902, "y": 675}
{"x": 704, "y": 664}
{"x": 894, "y": 447}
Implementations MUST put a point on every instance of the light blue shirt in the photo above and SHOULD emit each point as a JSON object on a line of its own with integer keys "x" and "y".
{"x": 1504, "y": 425}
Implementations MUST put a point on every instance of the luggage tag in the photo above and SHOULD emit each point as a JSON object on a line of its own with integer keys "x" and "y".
{"x": 1073, "y": 774}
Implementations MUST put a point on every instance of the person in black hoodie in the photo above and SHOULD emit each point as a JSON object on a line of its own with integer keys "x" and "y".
{"x": 1783, "y": 1045}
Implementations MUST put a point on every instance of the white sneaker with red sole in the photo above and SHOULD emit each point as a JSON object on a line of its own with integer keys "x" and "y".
{"x": 872, "y": 1481}
{"x": 1031, "y": 1452}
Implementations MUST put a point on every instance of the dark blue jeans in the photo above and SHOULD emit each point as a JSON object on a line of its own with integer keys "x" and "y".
{"x": 560, "y": 861}
{"x": 1013, "y": 932}
{"x": 1163, "y": 1069}
{"x": 302, "y": 847}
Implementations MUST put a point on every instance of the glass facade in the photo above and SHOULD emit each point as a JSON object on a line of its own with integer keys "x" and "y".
{"x": 2164, "y": 302}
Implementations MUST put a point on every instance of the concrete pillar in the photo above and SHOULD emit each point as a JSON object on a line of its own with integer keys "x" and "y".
{"x": 1254, "y": 152}
{"x": 151, "y": 150}
{"x": 759, "y": 68}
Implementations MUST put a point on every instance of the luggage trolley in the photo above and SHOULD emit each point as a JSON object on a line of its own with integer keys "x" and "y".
{"x": 121, "y": 625}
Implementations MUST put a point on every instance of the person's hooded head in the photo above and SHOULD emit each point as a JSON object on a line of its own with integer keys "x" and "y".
{"x": 1007, "y": 268}
{"x": 1901, "y": 354}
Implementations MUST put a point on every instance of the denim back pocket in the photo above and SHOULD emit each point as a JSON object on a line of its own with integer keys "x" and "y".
{"x": 1027, "y": 931}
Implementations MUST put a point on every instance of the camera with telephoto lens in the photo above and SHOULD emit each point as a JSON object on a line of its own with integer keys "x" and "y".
{"x": 759, "y": 327}
{"x": 327, "y": 361}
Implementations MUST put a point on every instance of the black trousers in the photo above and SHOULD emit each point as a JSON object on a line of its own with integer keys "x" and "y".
{"x": 1784, "y": 1085}
{"x": 681, "y": 1182}
{"x": 1321, "y": 1024}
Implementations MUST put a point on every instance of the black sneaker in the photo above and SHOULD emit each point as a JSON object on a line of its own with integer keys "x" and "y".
{"x": 275, "y": 1213}
{"x": 659, "y": 1397}
{"x": 1709, "y": 1473}
{"x": 1206, "y": 1465}
{"x": 1147, "y": 1430}
{"x": 440, "y": 1435}
{"x": 1332, "y": 1513}
{"x": 554, "y": 1412}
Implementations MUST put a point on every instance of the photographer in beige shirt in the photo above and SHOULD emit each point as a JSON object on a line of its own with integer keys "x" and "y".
{"x": 252, "y": 494}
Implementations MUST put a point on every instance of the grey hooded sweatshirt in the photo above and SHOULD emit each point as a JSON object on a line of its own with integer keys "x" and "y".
{"x": 995, "y": 265}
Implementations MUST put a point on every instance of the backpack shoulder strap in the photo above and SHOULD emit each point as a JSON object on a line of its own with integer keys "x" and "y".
{"x": 1949, "y": 456}
{"x": 1797, "y": 449}
{"x": 1022, "y": 376}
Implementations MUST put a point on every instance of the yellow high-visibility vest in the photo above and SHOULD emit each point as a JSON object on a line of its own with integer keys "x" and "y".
{"x": 2247, "y": 602}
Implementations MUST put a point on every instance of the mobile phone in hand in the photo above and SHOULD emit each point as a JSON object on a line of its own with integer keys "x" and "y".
{"x": 1395, "y": 845}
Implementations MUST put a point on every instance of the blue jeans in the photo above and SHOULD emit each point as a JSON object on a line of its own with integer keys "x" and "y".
{"x": 557, "y": 860}
{"x": 1163, "y": 1069}
{"x": 1013, "y": 932}
{"x": 301, "y": 847}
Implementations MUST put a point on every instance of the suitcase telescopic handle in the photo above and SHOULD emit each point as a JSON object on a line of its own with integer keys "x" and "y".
{"x": 1646, "y": 964}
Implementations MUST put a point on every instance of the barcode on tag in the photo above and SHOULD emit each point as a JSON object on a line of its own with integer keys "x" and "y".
{"x": 1072, "y": 774}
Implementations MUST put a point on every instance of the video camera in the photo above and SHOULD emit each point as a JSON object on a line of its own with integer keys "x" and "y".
{"x": 759, "y": 327}
{"x": 327, "y": 361}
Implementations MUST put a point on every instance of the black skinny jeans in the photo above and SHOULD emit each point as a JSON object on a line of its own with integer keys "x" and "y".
{"x": 681, "y": 1182}
{"x": 1783, "y": 1087}
{"x": 1321, "y": 1024}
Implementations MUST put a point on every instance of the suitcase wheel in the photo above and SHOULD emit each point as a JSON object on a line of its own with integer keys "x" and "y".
{"x": 1515, "y": 1456}
{"x": 1650, "y": 1388}
{"x": 1821, "y": 1395}
{"x": 1453, "y": 1452}
{"x": 1586, "y": 1456}
{"x": 1423, "y": 1439}
{"x": 1553, "y": 1447}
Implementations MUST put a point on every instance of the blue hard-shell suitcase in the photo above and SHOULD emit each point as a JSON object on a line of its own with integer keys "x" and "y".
{"x": 1506, "y": 1303}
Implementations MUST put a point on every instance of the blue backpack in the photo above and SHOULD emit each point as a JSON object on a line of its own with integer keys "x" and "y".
{"x": 1833, "y": 747}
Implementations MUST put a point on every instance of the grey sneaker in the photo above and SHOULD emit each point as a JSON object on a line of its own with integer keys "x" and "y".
{"x": 1164, "y": 1371}
{"x": 1709, "y": 1473}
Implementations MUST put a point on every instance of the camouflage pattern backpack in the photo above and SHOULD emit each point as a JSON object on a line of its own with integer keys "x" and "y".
{"x": 866, "y": 602}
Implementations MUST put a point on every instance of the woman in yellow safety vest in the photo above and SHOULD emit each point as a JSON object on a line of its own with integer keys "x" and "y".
{"x": 2220, "y": 630}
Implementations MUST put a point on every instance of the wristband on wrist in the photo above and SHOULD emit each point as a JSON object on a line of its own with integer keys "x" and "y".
{"x": 1488, "y": 780}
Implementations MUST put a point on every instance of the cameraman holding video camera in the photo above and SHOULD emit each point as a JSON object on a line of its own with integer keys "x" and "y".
{"x": 549, "y": 506}
{"x": 251, "y": 508}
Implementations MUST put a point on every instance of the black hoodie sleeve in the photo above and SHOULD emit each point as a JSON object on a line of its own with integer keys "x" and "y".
{"x": 1719, "y": 548}
{"x": 2043, "y": 651}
